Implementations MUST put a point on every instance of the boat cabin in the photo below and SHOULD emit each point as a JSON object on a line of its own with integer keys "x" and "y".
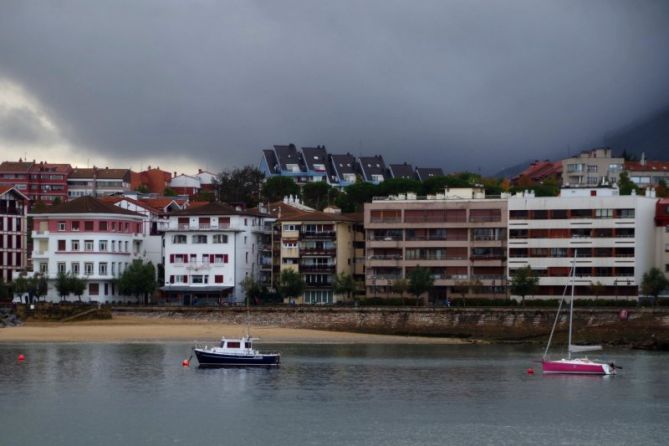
{"x": 236, "y": 344}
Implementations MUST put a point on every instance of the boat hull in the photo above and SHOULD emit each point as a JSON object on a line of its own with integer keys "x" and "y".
{"x": 208, "y": 359}
{"x": 576, "y": 367}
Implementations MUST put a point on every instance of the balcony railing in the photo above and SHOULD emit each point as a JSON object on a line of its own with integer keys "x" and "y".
{"x": 318, "y": 251}
{"x": 385, "y": 257}
{"x": 318, "y": 234}
{"x": 317, "y": 268}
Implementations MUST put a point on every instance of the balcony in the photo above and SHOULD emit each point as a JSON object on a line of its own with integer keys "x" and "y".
{"x": 318, "y": 234}
{"x": 329, "y": 268}
{"x": 318, "y": 252}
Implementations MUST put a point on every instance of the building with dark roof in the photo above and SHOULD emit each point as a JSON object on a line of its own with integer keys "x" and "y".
{"x": 98, "y": 182}
{"x": 344, "y": 171}
{"x": 372, "y": 168}
{"x": 423, "y": 173}
{"x": 403, "y": 170}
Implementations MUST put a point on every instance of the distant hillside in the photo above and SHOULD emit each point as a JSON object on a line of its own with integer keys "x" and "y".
{"x": 512, "y": 171}
{"x": 650, "y": 136}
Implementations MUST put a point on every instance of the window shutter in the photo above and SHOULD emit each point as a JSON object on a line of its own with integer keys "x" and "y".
{"x": 171, "y": 279}
{"x": 171, "y": 258}
{"x": 185, "y": 258}
{"x": 225, "y": 258}
{"x": 211, "y": 258}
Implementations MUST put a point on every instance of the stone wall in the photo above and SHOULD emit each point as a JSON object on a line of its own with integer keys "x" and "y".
{"x": 595, "y": 325}
{"x": 66, "y": 311}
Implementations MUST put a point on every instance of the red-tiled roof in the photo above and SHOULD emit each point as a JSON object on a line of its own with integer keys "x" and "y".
{"x": 647, "y": 166}
{"x": 15, "y": 166}
{"x": 104, "y": 174}
{"x": 540, "y": 170}
{"x": 85, "y": 205}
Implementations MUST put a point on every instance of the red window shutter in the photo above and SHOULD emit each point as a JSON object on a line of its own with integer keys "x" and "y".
{"x": 185, "y": 258}
{"x": 211, "y": 258}
{"x": 171, "y": 258}
{"x": 225, "y": 258}
{"x": 171, "y": 279}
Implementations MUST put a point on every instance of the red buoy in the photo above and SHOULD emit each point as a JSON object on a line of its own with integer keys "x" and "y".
{"x": 530, "y": 371}
{"x": 21, "y": 357}
{"x": 185, "y": 363}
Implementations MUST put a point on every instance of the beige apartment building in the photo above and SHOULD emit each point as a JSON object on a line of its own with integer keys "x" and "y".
{"x": 459, "y": 235}
{"x": 592, "y": 167}
{"x": 318, "y": 245}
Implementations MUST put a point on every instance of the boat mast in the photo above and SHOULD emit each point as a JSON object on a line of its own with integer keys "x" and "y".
{"x": 571, "y": 304}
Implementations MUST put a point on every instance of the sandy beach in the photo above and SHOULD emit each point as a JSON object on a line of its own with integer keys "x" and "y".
{"x": 138, "y": 329}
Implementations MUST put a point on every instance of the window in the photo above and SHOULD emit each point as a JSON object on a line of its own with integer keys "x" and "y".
{"x": 102, "y": 268}
{"x": 592, "y": 168}
{"x": 103, "y": 245}
{"x": 103, "y": 226}
{"x": 179, "y": 239}
{"x": 75, "y": 226}
{"x": 61, "y": 267}
{"x": 199, "y": 279}
{"x": 44, "y": 268}
{"x": 625, "y": 213}
{"x": 93, "y": 289}
{"x": 88, "y": 268}
{"x": 61, "y": 225}
{"x": 291, "y": 227}
{"x": 245, "y": 239}
{"x": 218, "y": 278}
{"x": 199, "y": 239}
{"x": 247, "y": 257}
{"x": 88, "y": 245}
{"x": 88, "y": 226}
{"x": 61, "y": 245}
{"x": 126, "y": 247}
{"x": 290, "y": 245}
{"x": 220, "y": 258}
{"x": 113, "y": 271}
{"x": 75, "y": 245}
{"x": 220, "y": 238}
{"x": 603, "y": 213}
{"x": 75, "y": 268}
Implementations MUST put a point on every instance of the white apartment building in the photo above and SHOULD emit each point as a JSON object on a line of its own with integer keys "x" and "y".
{"x": 89, "y": 238}
{"x": 662, "y": 235}
{"x": 611, "y": 237}
{"x": 209, "y": 250}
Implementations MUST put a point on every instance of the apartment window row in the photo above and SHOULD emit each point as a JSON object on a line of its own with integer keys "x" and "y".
{"x": 12, "y": 242}
{"x": 199, "y": 239}
{"x": 100, "y": 226}
{"x": 195, "y": 279}
{"x": 571, "y": 233}
{"x": 565, "y": 214}
{"x": 12, "y": 224}
{"x": 204, "y": 258}
{"x": 571, "y": 252}
{"x": 90, "y": 246}
{"x": 600, "y": 271}
{"x": 89, "y": 268}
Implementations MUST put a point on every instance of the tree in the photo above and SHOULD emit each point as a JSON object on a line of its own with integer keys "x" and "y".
{"x": 252, "y": 289}
{"x": 291, "y": 284}
{"x": 355, "y": 196}
{"x": 169, "y": 192}
{"x": 63, "y": 285}
{"x": 661, "y": 190}
{"x": 40, "y": 286}
{"x": 597, "y": 289}
{"x": 138, "y": 279}
{"x": 523, "y": 283}
{"x": 77, "y": 286}
{"x": 240, "y": 186}
{"x": 653, "y": 283}
{"x": 394, "y": 186}
{"x": 625, "y": 185}
{"x": 400, "y": 286}
{"x": 317, "y": 194}
{"x": 275, "y": 188}
{"x": 345, "y": 284}
{"x": 420, "y": 281}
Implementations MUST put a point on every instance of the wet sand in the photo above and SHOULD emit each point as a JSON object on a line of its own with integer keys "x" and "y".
{"x": 138, "y": 329}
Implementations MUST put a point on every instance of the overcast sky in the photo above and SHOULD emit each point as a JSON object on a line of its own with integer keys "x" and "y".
{"x": 458, "y": 84}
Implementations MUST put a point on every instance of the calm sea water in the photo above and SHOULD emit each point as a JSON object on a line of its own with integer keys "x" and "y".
{"x": 126, "y": 394}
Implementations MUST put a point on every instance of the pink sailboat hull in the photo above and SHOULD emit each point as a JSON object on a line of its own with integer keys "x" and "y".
{"x": 577, "y": 367}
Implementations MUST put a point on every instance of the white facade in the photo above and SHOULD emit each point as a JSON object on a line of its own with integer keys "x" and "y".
{"x": 207, "y": 255}
{"x": 612, "y": 236}
{"x": 151, "y": 220}
{"x": 98, "y": 253}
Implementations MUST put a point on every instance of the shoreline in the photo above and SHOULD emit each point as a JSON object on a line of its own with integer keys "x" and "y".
{"x": 136, "y": 329}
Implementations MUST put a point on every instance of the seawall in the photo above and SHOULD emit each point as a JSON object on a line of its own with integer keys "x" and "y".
{"x": 645, "y": 327}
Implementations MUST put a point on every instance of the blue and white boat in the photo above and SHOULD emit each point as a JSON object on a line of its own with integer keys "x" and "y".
{"x": 237, "y": 352}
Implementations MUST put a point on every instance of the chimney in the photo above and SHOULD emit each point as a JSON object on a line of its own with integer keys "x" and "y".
{"x": 199, "y": 171}
{"x": 643, "y": 159}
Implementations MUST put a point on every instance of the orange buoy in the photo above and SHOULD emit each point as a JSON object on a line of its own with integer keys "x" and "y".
{"x": 530, "y": 371}
{"x": 22, "y": 357}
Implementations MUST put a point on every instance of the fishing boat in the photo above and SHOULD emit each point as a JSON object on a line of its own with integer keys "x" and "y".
{"x": 569, "y": 365}
{"x": 238, "y": 352}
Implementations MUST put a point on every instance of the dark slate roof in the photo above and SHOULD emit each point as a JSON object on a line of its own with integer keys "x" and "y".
{"x": 423, "y": 173}
{"x": 401, "y": 171}
{"x": 218, "y": 208}
{"x": 372, "y": 165}
{"x": 315, "y": 155}
{"x": 272, "y": 162}
{"x": 342, "y": 164}
{"x": 85, "y": 205}
{"x": 288, "y": 155}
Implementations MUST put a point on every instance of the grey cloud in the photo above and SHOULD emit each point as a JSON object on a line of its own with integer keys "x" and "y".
{"x": 459, "y": 84}
{"x": 20, "y": 126}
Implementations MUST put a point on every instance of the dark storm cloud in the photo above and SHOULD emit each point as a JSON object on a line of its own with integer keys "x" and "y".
{"x": 21, "y": 126}
{"x": 460, "y": 84}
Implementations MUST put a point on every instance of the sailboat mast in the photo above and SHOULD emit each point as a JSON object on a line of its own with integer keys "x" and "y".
{"x": 571, "y": 304}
